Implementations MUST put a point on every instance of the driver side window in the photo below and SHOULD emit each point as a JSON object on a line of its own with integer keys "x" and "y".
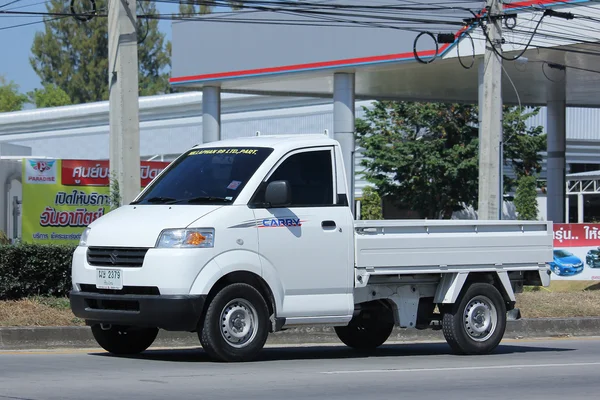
{"x": 310, "y": 175}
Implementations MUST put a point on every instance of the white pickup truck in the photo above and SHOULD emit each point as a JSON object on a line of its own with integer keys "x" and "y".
{"x": 240, "y": 238}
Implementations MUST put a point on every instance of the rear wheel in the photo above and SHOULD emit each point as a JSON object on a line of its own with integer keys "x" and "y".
{"x": 368, "y": 330}
{"x": 476, "y": 324}
{"x": 124, "y": 340}
{"x": 236, "y": 324}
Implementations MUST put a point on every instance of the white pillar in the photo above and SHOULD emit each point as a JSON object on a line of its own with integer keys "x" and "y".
{"x": 490, "y": 196}
{"x": 556, "y": 125}
{"x": 211, "y": 114}
{"x": 343, "y": 125}
{"x": 481, "y": 69}
{"x": 580, "y": 208}
{"x": 124, "y": 121}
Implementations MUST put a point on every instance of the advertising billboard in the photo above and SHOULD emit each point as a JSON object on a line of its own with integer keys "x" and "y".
{"x": 576, "y": 252}
{"x": 62, "y": 197}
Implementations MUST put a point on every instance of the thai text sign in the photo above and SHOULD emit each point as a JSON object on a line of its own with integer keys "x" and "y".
{"x": 62, "y": 197}
{"x": 576, "y": 252}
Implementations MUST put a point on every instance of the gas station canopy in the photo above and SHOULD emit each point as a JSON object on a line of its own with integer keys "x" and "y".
{"x": 249, "y": 53}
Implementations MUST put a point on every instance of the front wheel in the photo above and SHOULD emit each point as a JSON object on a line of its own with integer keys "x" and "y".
{"x": 236, "y": 324}
{"x": 476, "y": 324}
{"x": 123, "y": 340}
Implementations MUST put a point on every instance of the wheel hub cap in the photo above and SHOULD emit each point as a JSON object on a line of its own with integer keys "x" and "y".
{"x": 238, "y": 323}
{"x": 480, "y": 318}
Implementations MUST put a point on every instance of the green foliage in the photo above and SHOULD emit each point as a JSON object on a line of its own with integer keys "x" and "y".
{"x": 73, "y": 55}
{"x": 522, "y": 145}
{"x": 526, "y": 198}
{"x": 198, "y": 7}
{"x": 115, "y": 192}
{"x": 424, "y": 156}
{"x": 10, "y": 97}
{"x": 58, "y": 303}
{"x": 50, "y": 96}
{"x": 371, "y": 205}
{"x": 191, "y": 9}
{"x": 35, "y": 270}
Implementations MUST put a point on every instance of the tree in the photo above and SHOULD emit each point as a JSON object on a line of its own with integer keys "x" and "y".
{"x": 522, "y": 145}
{"x": 10, "y": 97}
{"x": 371, "y": 204}
{"x": 49, "y": 96}
{"x": 73, "y": 55}
{"x": 526, "y": 198}
{"x": 424, "y": 156}
{"x": 189, "y": 9}
{"x": 196, "y": 7}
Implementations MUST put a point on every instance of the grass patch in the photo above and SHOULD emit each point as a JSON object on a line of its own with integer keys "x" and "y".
{"x": 38, "y": 311}
{"x": 548, "y": 304}
{"x": 573, "y": 286}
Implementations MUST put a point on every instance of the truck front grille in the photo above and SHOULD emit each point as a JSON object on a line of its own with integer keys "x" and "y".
{"x": 116, "y": 256}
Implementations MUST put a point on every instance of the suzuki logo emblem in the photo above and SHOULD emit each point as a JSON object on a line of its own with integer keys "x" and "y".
{"x": 113, "y": 257}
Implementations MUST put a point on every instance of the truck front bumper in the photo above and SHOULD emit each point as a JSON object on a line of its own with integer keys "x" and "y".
{"x": 168, "y": 312}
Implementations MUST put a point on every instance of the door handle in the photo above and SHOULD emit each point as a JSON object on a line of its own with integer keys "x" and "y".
{"x": 328, "y": 224}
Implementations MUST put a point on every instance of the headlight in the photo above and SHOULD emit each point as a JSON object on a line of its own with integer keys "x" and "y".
{"x": 186, "y": 238}
{"x": 84, "y": 237}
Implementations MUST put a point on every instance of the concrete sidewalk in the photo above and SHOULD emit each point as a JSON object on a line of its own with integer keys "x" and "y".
{"x": 27, "y": 338}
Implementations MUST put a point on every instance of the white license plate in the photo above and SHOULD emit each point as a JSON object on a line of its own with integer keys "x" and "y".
{"x": 109, "y": 279}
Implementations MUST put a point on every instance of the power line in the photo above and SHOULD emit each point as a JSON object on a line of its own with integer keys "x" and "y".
{"x": 9, "y": 3}
{"x": 31, "y": 23}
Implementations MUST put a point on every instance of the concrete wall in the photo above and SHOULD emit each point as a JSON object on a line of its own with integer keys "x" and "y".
{"x": 9, "y": 149}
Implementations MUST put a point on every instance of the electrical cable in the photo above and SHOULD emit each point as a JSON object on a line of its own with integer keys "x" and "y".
{"x": 473, "y": 52}
{"x": 87, "y": 16}
{"x": 416, "y": 53}
{"x": 33, "y": 23}
{"x": 143, "y": 38}
{"x": 27, "y": 6}
{"x": 44, "y": 14}
{"x": 9, "y": 3}
{"x": 495, "y": 50}
{"x": 544, "y": 63}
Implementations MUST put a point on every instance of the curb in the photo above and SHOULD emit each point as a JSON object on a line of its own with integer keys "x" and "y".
{"x": 28, "y": 338}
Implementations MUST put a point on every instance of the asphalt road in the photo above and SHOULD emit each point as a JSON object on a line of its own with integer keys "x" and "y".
{"x": 549, "y": 370}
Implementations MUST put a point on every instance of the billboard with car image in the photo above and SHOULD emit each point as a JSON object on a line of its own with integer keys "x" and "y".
{"x": 576, "y": 252}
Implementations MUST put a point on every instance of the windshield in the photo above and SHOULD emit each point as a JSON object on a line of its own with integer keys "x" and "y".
{"x": 562, "y": 253}
{"x": 206, "y": 176}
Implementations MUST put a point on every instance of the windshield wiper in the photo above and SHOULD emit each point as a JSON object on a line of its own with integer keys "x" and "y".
{"x": 157, "y": 199}
{"x": 202, "y": 199}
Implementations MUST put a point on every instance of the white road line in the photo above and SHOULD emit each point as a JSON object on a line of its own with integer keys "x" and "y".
{"x": 515, "y": 366}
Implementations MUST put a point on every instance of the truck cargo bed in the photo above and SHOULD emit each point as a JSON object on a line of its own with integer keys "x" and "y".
{"x": 418, "y": 246}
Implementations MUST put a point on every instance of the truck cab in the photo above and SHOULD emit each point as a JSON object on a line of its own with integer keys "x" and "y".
{"x": 239, "y": 238}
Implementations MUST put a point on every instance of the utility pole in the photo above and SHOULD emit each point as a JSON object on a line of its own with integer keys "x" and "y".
{"x": 490, "y": 146}
{"x": 123, "y": 99}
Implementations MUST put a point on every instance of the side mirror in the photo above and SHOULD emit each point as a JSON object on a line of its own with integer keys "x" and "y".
{"x": 278, "y": 194}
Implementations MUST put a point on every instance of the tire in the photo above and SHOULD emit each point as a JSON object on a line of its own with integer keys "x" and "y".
{"x": 465, "y": 331}
{"x": 123, "y": 340}
{"x": 236, "y": 324}
{"x": 366, "y": 331}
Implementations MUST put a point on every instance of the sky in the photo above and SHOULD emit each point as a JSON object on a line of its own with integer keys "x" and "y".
{"x": 15, "y": 43}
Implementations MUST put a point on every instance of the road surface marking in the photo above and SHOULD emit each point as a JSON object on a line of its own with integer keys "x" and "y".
{"x": 514, "y": 366}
